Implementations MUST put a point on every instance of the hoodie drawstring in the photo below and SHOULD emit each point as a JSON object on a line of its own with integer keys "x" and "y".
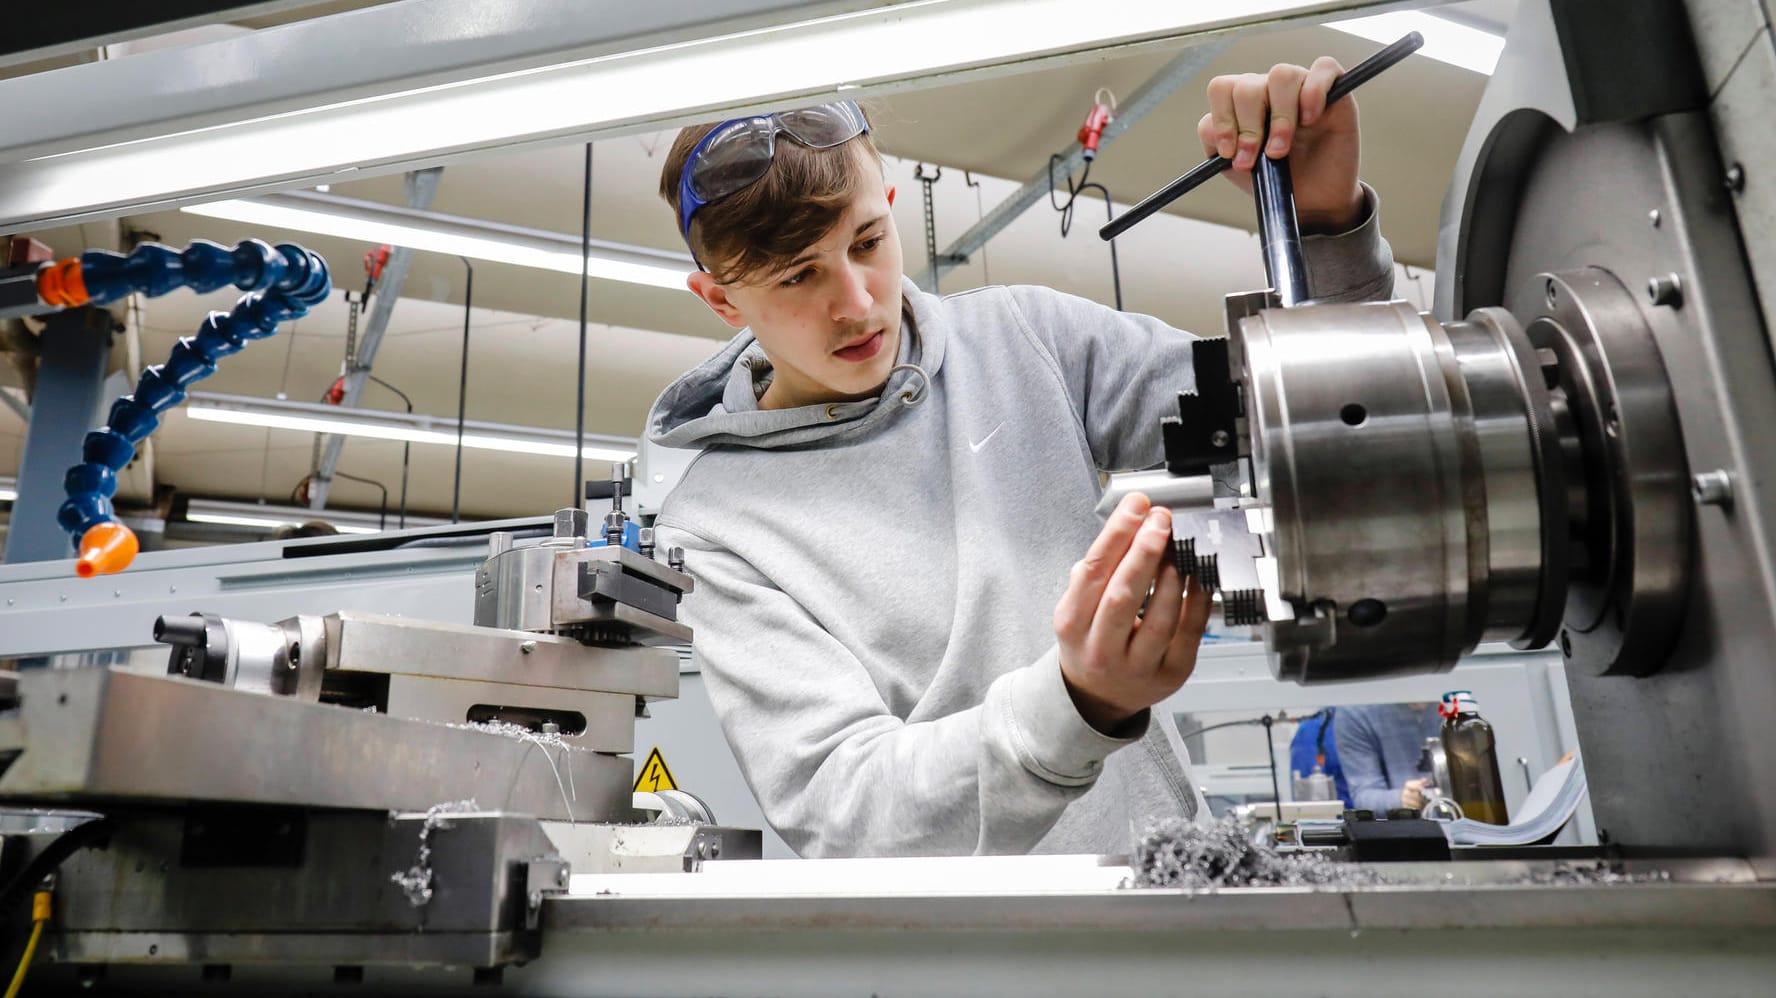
{"x": 913, "y": 396}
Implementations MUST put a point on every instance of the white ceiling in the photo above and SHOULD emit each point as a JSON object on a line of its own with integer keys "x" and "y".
{"x": 524, "y": 335}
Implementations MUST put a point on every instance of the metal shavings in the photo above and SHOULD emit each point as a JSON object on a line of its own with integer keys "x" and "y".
{"x": 1222, "y": 853}
{"x": 416, "y": 882}
{"x": 507, "y": 729}
{"x": 1599, "y": 872}
{"x": 544, "y": 740}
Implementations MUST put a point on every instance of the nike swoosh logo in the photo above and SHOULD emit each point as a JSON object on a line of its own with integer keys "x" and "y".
{"x": 974, "y": 448}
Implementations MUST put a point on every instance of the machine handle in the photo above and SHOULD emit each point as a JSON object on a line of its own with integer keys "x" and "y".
{"x": 1353, "y": 78}
{"x": 1279, "y": 231}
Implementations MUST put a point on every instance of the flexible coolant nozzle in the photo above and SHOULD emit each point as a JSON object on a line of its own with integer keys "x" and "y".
{"x": 106, "y": 548}
{"x": 62, "y": 284}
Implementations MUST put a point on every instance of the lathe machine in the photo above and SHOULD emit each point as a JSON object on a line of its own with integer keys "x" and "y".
{"x": 1571, "y": 452}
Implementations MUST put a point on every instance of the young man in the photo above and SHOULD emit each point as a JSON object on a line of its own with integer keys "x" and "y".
{"x": 908, "y": 652}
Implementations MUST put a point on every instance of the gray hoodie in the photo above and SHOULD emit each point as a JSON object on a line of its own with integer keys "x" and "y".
{"x": 876, "y": 580}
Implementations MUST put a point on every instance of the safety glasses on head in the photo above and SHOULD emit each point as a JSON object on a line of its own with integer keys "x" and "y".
{"x": 736, "y": 153}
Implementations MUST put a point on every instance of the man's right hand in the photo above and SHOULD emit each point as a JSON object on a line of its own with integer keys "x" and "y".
{"x": 1116, "y": 660}
{"x": 1413, "y": 795}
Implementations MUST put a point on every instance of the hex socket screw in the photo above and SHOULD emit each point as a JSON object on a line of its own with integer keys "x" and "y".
{"x": 1666, "y": 290}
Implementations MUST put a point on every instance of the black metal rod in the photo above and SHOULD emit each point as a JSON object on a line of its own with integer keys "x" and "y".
{"x": 462, "y": 392}
{"x": 1279, "y": 233}
{"x": 1211, "y": 167}
{"x": 1276, "y": 790}
{"x": 1353, "y": 78}
{"x": 406, "y": 448}
{"x": 1115, "y": 264}
{"x": 1371, "y": 67}
{"x": 579, "y": 483}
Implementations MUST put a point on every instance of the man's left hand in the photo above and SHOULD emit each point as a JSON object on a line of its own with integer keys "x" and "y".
{"x": 1413, "y": 794}
{"x": 1321, "y": 142}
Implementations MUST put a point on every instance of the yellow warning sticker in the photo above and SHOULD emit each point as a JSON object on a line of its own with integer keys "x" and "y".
{"x": 654, "y": 774}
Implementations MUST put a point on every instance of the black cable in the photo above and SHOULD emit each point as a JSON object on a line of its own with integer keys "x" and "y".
{"x": 1074, "y": 189}
{"x": 1066, "y": 210}
{"x": 467, "y": 539}
{"x": 53, "y": 855}
{"x": 1255, "y": 720}
{"x": 1276, "y": 788}
{"x": 1268, "y": 722}
{"x": 462, "y": 392}
{"x": 577, "y": 497}
{"x": 382, "y": 524}
{"x": 406, "y": 448}
{"x": 1325, "y": 716}
{"x": 980, "y": 212}
{"x": 1115, "y": 265}
{"x": 392, "y": 388}
{"x": 1217, "y": 727}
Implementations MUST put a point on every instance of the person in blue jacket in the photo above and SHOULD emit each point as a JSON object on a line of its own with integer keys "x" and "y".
{"x": 1380, "y": 747}
{"x": 1314, "y": 743}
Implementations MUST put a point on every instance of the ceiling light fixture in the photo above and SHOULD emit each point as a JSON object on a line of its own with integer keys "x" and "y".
{"x": 269, "y": 522}
{"x": 201, "y": 122}
{"x": 374, "y": 222}
{"x": 269, "y": 517}
{"x": 316, "y": 417}
{"x": 1444, "y": 40}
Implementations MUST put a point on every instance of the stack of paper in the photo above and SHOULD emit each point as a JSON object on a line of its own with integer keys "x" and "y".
{"x": 1550, "y": 803}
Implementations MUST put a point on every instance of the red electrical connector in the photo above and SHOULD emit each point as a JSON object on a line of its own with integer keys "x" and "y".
{"x": 374, "y": 261}
{"x": 1092, "y": 132}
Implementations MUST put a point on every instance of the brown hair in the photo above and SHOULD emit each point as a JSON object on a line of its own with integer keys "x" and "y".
{"x": 762, "y": 227}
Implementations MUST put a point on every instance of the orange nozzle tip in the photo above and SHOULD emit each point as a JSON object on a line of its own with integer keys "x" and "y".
{"x": 62, "y": 284}
{"x": 106, "y": 548}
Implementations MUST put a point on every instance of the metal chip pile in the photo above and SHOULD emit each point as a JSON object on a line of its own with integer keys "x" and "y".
{"x": 1599, "y": 872}
{"x": 1222, "y": 854}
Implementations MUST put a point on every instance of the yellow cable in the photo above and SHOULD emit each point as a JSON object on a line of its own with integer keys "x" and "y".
{"x": 39, "y": 918}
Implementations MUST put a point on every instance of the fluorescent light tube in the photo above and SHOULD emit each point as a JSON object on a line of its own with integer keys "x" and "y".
{"x": 435, "y": 232}
{"x": 315, "y": 417}
{"x": 273, "y": 523}
{"x": 1445, "y": 40}
{"x": 270, "y": 517}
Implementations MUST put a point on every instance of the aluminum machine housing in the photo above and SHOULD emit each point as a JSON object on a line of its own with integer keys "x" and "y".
{"x": 350, "y": 790}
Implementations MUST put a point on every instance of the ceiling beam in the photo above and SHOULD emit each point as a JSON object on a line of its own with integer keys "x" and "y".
{"x": 422, "y": 189}
{"x": 36, "y": 31}
{"x": 1174, "y": 74}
